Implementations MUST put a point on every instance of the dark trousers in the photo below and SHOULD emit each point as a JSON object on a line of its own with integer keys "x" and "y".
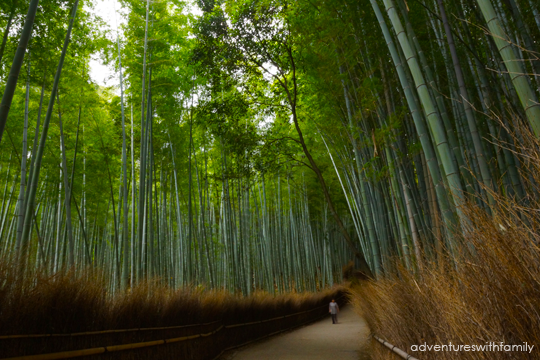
{"x": 334, "y": 318}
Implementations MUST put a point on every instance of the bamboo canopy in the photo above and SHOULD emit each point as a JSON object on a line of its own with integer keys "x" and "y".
{"x": 269, "y": 143}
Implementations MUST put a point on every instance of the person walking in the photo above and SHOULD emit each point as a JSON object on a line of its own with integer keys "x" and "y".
{"x": 333, "y": 309}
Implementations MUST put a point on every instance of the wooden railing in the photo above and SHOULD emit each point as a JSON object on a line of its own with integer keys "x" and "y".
{"x": 230, "y": 336}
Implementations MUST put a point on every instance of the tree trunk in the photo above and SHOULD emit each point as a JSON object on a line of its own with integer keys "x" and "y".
{"x": 526, "y": 95}
{"x": 34, "y": 178}
{"x": 11, "y": 84}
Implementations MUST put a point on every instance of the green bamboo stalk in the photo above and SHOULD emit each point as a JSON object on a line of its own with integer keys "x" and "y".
{"x": 67, "y": 189}
{"x": 523, "y": 30}
{"x": 58, "y": 229}
{"x": 536, "y": 13}
{"x": 430, "y": 109}
{"x": 484, "y": 175}
{"x": 8, "y": 27}
{"x": 6, "y": 204}
{"x": 436, "y": 95}
{"x": 125, "y": 263}
{"x": 34, "y": 178}
{"x": 412, "y": 224}
{"x": 142, "y": 175}
{"x": 16, "y": 65}
{"x": 375, "y": 255}
{"x": 180, "y": 236}
{"x": 526, "y": 95}
{"x": 133, "y": 249}
{"x": 24, "y": 157}
{"x": 190, "y": 181}
{"x": 423, "y": 132}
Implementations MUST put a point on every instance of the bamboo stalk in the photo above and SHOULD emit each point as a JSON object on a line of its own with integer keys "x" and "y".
{"x": 396, "y": 350}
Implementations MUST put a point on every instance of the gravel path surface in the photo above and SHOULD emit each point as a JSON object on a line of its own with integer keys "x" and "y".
{"x": 318, "y": 341}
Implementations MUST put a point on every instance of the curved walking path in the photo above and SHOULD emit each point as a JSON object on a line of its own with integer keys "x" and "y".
{"x": 318, "y": 341}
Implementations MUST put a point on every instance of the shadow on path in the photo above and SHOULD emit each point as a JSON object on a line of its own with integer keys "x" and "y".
{"x": 319, "y": 341}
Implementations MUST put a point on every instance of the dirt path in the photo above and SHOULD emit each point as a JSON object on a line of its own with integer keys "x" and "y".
{"x": 319, "y": 341}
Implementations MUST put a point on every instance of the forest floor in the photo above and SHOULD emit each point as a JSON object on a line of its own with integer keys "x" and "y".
{"x": 318, "y": 341}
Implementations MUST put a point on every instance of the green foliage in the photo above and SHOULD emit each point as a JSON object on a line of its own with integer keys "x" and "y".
{"x": 305, "y": 96}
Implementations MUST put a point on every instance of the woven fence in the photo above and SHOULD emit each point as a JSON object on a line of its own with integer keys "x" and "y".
{"x": 202, "y": 341}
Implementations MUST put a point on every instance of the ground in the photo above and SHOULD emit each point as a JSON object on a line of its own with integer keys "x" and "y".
{"x": 318, "y": 341}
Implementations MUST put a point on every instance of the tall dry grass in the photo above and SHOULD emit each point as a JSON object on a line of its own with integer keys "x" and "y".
{"x": 68, "y": 303}
{"x": 490, "y": 293}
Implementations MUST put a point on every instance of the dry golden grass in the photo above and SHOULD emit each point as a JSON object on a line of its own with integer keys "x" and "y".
{"x": 69, "y": 303}
{"x": 491, "y": 293}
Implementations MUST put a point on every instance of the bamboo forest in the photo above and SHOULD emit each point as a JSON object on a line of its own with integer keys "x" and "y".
{"x": 254, "y": 159}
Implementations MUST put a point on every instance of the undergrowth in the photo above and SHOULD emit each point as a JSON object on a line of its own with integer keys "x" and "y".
{"x": 71, "y": 302}
{"x": 486, "y": 290}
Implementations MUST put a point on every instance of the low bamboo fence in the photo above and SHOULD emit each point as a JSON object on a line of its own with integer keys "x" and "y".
{"x": 204, "y": 341}
{"x": 395, "y": 349}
